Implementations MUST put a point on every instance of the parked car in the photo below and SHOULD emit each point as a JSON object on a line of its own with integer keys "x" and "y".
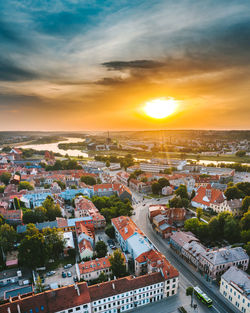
{"x": 69, "y": 274}
{"x": 67, "y": 266}
{"x": 50, "y": 273}
{"x": 64, "y": 275}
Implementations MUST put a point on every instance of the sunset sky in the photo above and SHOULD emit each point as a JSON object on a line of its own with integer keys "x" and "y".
{"x": 92, "y": 65}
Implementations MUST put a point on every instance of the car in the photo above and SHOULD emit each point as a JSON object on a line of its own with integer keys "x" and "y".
{"x": 67, "y": 266}
{"x": 50, "y": 273}
{"x": 64, "y": 275}
{"x": 144, "y": 204}
{"x": 158, "y": 200}
{"x": 69, "y": 274}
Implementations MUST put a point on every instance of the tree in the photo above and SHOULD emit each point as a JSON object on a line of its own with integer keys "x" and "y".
{"x": 156, "y": 188}
{"x": 144, "y": 179}
{"x": 60, "y": 184}
{"x": 2, "y": 189}
{"x": 25, "y": 185}
{"x": 5, "y": 178}
{"x": 8, "y": 237}
{"x": 189, "y": 292}
{"x": 88, "y": 180}
{"x": 177, "y": 202}
{"x": 245, "y": 221}
{"x": 192, "y": 225}
{"x": 163, "y": 182}
{"x": 231, "y": 230}
{"x": 233, "y": 193}
{"x": 33, "y": 250}
{"x": 118, "y": 266}
{"x": 240, "y": 153}
{"x": 39, "y": 285}
{"x": 192, "y": 194}
{"x": 245, "y": 235}
{"x": 101, "y": 249}
{"x": 38, "y": 215}
{"x": 110, "y": 231}
{"x": 107, "y": 163}
{"x": 247, "y": 248}
{"x": 17, "y": 205}
{"x": 199, "y": 213}
{"x": 54, "y": 242}
{"x": 244, "y": 187}
{"x": 102, "y": 277}
{"x": 182, "y": 192}
{"x": 246, "y": 204}
{"x": 53, "y": 210}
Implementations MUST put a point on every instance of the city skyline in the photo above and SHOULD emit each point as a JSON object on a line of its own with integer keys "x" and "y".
{"x": 71, "y": 65}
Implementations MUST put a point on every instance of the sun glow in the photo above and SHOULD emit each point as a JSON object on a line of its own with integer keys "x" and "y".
{"x": 160, "y": 108}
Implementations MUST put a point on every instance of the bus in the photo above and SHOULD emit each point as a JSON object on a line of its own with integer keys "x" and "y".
{"x": 203, "y": 297}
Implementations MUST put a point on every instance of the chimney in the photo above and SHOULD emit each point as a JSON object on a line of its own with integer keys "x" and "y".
{"x": 18, "y": 308}
{"x": 9, "y": 311}
{"x": 77, "y": 289}
{"x": 113, "y": 286}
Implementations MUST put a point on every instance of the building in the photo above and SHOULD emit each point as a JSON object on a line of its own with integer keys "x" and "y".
{"x": 235, "y": 287}
{"x": 121, "y": 295}
{"x": 191, "y": 251}
{"x": 60, "y": 223}
{"x": 161, "y": 226}
{"x": 85, "y": 207}
{"x": 69, "y": 242}
{"x": 232, "y": 206}
{"x": 91, "y": 270}
{"x": 179, "y": 239}
{"x": 141, "y": 251}
{"x": 122, "y": 177}
{"x": 206, "y": 197}
{"x": 173, "y": 216}
{"x": 85, "y": 249}
{"x": 140, "y": 186}
{"x": 12, "y": 216}
{"x": 214, "y": 263}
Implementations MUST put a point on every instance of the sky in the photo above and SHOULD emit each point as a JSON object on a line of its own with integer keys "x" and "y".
{"x": 92, "y": 65}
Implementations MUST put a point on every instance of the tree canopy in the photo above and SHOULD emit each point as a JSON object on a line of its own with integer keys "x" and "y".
{"x": 118, "y": 266}
{"x": 101, "y": 249}
{"x": 25, "y": 185}
{"x": 37, "y": 248}
{"x": 88, "y": 180}
{"x": 5, "y": 178}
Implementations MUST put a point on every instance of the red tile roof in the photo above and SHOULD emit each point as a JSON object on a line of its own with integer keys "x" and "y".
{"x": 51, "y": 301}
{"x": 121, "y": 285}
{"x": 94, "y": 265}
{"x": 126, "y": 226}
{"x": 213, "y": 196}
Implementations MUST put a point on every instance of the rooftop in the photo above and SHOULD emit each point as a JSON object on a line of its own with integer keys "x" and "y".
{"x": 238, "y": 279}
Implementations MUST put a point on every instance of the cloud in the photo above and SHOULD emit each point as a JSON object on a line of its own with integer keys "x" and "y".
{"x": 141, "y": 64}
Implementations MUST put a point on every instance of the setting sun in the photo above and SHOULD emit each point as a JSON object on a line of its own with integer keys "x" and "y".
{"x": 160, "y": 108}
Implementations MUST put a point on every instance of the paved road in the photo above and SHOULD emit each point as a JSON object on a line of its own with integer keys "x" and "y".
{"x": 188, "y": 275}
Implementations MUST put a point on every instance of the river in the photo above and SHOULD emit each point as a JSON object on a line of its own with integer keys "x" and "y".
{"x": 54, "y": 147}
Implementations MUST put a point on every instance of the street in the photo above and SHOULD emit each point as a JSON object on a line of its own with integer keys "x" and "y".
{"x": 188, "y": 275}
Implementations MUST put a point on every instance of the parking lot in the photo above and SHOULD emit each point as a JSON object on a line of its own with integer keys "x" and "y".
{"x": 100, "y": 235}
{"x": 57, "y": 277}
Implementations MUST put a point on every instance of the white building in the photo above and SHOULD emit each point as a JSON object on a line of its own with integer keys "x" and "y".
{"x": 235, "y": 287}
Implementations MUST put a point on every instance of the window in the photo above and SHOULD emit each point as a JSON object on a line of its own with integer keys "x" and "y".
{"x": 42, "y": 308}
{"x": 71, "y": 310}
{"x": 78, "y": 308}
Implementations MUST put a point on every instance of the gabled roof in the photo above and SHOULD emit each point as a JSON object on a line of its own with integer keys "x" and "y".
{"x": 121, "y": 285}
{"x": 202, "y": 197}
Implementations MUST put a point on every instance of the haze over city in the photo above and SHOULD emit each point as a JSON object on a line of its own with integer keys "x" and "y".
{"x": 93, "y": 65}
